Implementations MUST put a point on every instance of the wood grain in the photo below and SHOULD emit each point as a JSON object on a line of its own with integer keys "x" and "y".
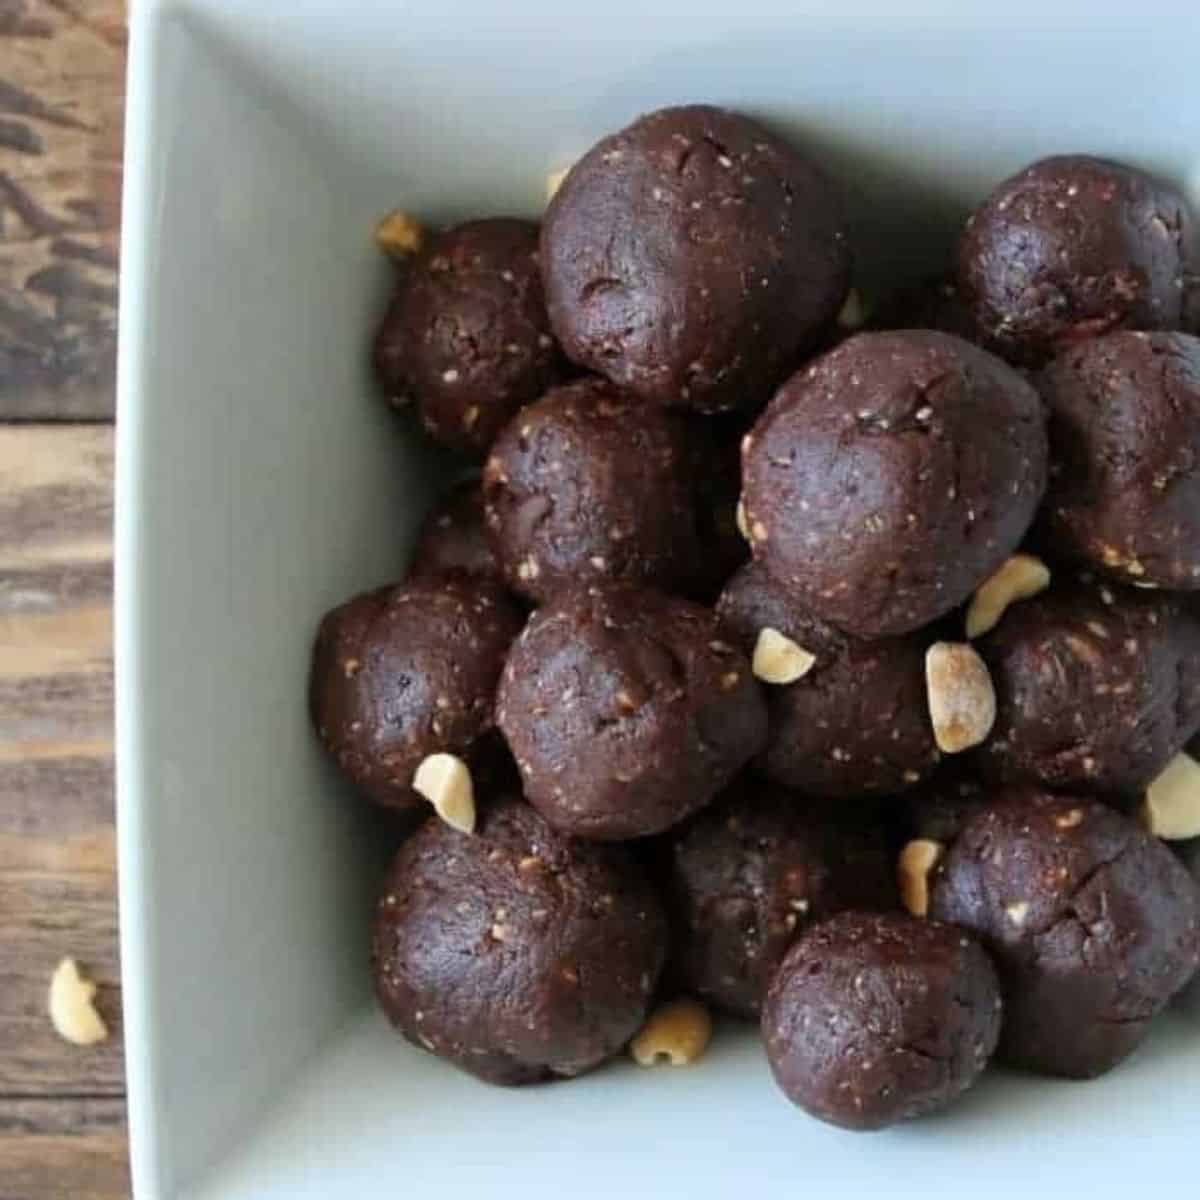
{"x": 61, "y": 114}
{"x": 61, "y": 1107}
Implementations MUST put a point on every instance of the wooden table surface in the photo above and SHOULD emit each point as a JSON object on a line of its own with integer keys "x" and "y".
{"x": 62, "y": 1110}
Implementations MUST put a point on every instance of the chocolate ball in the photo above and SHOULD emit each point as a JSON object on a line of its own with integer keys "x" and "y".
{"x": 466, "y": 335}
{"x": 626, "y": 710}
{"x": 1097, "y": 686}
{"x": 877, "y": 1018}
{"x": 892, "y": 476}
{"x": 591, "y": 484}
{"x": 408, "y": 671}
{"x": 1124, "y": 494}
{"x": 692, "y": 257}
{"x": 1094, "y": 925}
{"x": 517, "y": 953}
{"x": 1070, "y": 248}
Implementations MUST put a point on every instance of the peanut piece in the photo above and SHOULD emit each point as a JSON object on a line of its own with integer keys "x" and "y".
{"x": 72, "y": 1011}
{"x": 676, "y": 1033}
{"x": 554, "y": 182}
{"x": 1171, "y": 808}
{"x": 913, "y": 870}
{"x": 962, "y": 700}
{"x": 445, "y": 781}
{"x": 777, "y": 659}
{"x": 1018, "y": 578}
{"x": 399, "y": 234}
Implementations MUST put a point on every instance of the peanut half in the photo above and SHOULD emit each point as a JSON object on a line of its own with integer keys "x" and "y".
{"x": 962, "y": 700}
{"x": 1018, "y": 578}
{"x": 445, "y": 781}
{"x": 72, "y": 1006}
{"x": 677, "y": 1033}
{"x": 1171, "y": 808}
{"x": 399, "y": 234}
{"x": 777, "y": 659}
{"x": 913, "y": 870}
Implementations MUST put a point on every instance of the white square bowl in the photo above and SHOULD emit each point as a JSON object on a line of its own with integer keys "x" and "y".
{"x": 261, "y": 481}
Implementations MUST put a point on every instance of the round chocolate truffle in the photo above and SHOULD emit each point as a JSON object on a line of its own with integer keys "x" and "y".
{"x": 626, "y": 711}
{"x": 1124, "y": 492}
{"x": 856, "y": 722}
{"x": 1094, "y": 926}
{"x": 408, "y": 671}
{"x": 1097, "y": 686}
{"x": 1070, "y": 248}
{"x": 693, "y": 257}
{"x": 466, "y": 335}
{"x": 453, "y": 539}
{"x": 892, "y": 476}
{"x": 750, "y": 872}
{"x": 589, "y": 483}
{"x": 517, "y": 954}
{"x": 877, "y": 1018}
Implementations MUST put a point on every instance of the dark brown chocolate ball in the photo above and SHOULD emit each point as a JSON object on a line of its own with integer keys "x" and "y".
{"x": 1093, "y": 923}
{"x": 857, "y": 722}
{"x": 407, "y": 671}
{"x": 877, "y": 1018}
{"x": 466, "y": 336}
{"x": 1097, "y": 686}
{"x": 589, "y": 483}
{"x": 892, "y": 476}
{"x": 1124, "y": 492}
{"x": 517, "y": 954}
{"x": 453, "y": 539}
{"x": 626, "y": 710}
{"x": 692, "y": 257}
{"x": 751, "y": 872}
{"x": 1070, "y": 248}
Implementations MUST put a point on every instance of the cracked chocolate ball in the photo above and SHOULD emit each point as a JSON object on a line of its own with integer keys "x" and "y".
{"x": 626, "y": 710}
{"x": 892, "y": 476}
{"x": 829, "y": 734}
{"x": 1097, "y": 686}
{"x": 591, "y": 484}
{"x": 877, "y": 1018}
{"x": 1070, "y": 248}
{"x": 748, "y": 874}
{"x": 407, "y": 671}
{"x": 516, "y": 953}
{"x": 466, "y": 336}
{"x": 692, "y": 257}
{"x": 1124, "y": 494}
{"x": 1093, "y": 924}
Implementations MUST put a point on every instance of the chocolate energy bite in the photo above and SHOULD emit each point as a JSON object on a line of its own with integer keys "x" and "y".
{"x": 453, "y": 539}
{"x": 892, "y": 476}
{"x": 466, "y": 335}
{"x": 692, "y": 257}
{"x": 517, "y": 954}
{"x": 626, "y": 710}
{"x": 589, "y": 483}
{"x": 751, "y": 872}
{"x": 877, "y": 1018}
{"x": 1124, "y": 492}
{"x": 856, "y": 721}
{"x": 1094, "y": 926}
{"x": 407, "y": 671}
{"x": 1073, "y": 247}
{"x": 1097, "y": 686}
